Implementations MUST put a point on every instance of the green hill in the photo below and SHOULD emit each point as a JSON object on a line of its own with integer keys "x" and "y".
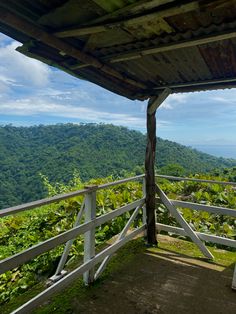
{"x": 57, "y": 151}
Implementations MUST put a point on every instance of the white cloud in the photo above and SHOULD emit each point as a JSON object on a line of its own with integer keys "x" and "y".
{"x": 173, "y": 100}
{"x": 32, "y": 107}
{"x": 18, "y": 69}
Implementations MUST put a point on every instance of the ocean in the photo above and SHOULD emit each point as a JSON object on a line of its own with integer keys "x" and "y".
{"x": 227, "y": 151}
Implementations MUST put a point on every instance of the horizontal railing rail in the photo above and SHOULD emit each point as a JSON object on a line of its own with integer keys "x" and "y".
{"x": 172, "y": 206}
{"x": 207, "y": 208}
{"x": 91, "y": 221}
{"x": 173, "y": 178}
{"x": 87, "y": 228}
{"x": 203, "y": 236}
{"x": 61, "y": 197}
{"x": 186, "y": 229}
{"x": 40, "y": 298}
{"x": 26, "y": 255}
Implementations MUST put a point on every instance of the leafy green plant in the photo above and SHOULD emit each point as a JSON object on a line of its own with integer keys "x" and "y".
{"x": 21, "y": 231}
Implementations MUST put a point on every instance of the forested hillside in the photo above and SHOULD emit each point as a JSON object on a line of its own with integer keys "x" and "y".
{"x": 57, "y": 151}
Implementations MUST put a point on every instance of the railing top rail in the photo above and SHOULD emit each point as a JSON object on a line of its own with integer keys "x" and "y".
{"x": 195, "y": 180}
{"x": 109, "y": 184}
{"x": 60, "y": 197}
{"x": 33, "y": 251}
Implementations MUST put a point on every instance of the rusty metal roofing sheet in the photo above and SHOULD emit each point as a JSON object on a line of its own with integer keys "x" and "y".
{"x": 136, "y": 47}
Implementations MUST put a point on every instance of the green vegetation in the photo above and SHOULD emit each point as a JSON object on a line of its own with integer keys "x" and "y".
{"x": 127, "y": 255}
{"x": 21, "y": 231}
{"x": 48, "y": 160}
{"x": 58, "y": 151}
{"x": 203, "y": 193}
{"x": 77, "y": 290}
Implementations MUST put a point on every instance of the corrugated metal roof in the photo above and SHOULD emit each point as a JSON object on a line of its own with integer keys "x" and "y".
{"x": 135, "y": 47}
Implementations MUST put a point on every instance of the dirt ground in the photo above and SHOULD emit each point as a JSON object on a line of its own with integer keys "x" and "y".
{"x": 163, "y": 282}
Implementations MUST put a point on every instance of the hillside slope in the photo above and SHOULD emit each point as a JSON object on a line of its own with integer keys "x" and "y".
{"x": 94, "y": 150}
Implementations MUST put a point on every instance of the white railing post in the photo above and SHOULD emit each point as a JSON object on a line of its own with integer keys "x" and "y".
{"x": 144, "y": 206}
{"x": 89, "y": 236}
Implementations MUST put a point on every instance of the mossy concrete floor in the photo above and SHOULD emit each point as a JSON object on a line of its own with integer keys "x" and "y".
{"x": 173, "y": 278}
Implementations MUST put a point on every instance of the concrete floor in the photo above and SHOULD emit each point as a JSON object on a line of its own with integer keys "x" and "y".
{"x": 164, "y": 282}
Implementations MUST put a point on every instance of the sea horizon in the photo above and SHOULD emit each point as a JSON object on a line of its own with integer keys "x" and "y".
{"x": 226, "y": 151}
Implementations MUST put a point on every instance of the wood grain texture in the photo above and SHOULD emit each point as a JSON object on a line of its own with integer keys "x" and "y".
{"x": 150, "y": 174}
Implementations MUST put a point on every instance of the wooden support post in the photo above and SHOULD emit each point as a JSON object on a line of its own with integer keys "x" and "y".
{"x": 144, "y": 218}
{"x": 153, "y": 104}
{"x": 150, "y": 176}
{"x": 89, "y": 236}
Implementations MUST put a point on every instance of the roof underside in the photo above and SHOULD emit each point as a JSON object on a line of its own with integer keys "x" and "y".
{"x": 133, "y": 48}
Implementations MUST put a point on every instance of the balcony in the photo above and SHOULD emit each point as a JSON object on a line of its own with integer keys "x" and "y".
{"x": 178, "y": 274}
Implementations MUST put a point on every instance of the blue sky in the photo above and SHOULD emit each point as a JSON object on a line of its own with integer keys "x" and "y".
{"x": 33, "y": 93}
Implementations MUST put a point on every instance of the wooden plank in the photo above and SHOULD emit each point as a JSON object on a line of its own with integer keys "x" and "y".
{"x": 126, "y": 22}
{"x": 133, "y": 8}
{"x": 191, "y": 233}
{"x": 158, "y": 101}
{"x": 195, "y": 180}
{"x": 89, "y": 236}
{"x": 202, "y": 236}
{"x": 110, "y": 184}
{"x": 64, "y": 282}
{"x": 61, "y": 197}
{"x": 22, "y": 257}
{"x": 39, "y": 203}
{"x": 210, "y": 209}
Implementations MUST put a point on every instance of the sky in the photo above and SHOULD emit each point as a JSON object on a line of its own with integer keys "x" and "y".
{"x": 33, "y": 93}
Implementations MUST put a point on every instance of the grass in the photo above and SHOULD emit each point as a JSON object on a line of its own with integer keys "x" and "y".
{"x": 221, "y": 257}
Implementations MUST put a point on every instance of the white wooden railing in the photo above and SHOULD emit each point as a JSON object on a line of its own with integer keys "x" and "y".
{"x": 186, "y": 229}
{"x": 199, "y": 207}
{"x": 88, "y": 209}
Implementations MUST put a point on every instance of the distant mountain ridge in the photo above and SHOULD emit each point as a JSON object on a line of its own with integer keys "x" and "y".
{"x": 94, "y": 150}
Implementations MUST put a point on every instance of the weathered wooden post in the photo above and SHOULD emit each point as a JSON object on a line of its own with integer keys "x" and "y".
{"x": 153, "y": 104}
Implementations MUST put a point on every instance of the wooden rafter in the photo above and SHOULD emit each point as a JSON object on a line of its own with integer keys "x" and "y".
{"x": 63, "y": 47}
{"x": 197, "y": 83}
{"x": 125, "y": 22}
{"x": 134, "y": 8}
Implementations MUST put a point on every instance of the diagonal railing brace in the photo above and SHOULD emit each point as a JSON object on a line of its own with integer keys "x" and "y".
{"x": 121, "y": 236}
{"x": 59, "y": 271}
{"x": 190, "y": 232}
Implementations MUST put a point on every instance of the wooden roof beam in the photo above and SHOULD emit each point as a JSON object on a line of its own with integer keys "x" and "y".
{"x": 39, "y": 34}
{"x": 133, "y": 8}
{"x": 155, "y": 103}
{"x": 144, "y": 17}
{"x": 197, "y": 84}
{"x": 201, "y": 40}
